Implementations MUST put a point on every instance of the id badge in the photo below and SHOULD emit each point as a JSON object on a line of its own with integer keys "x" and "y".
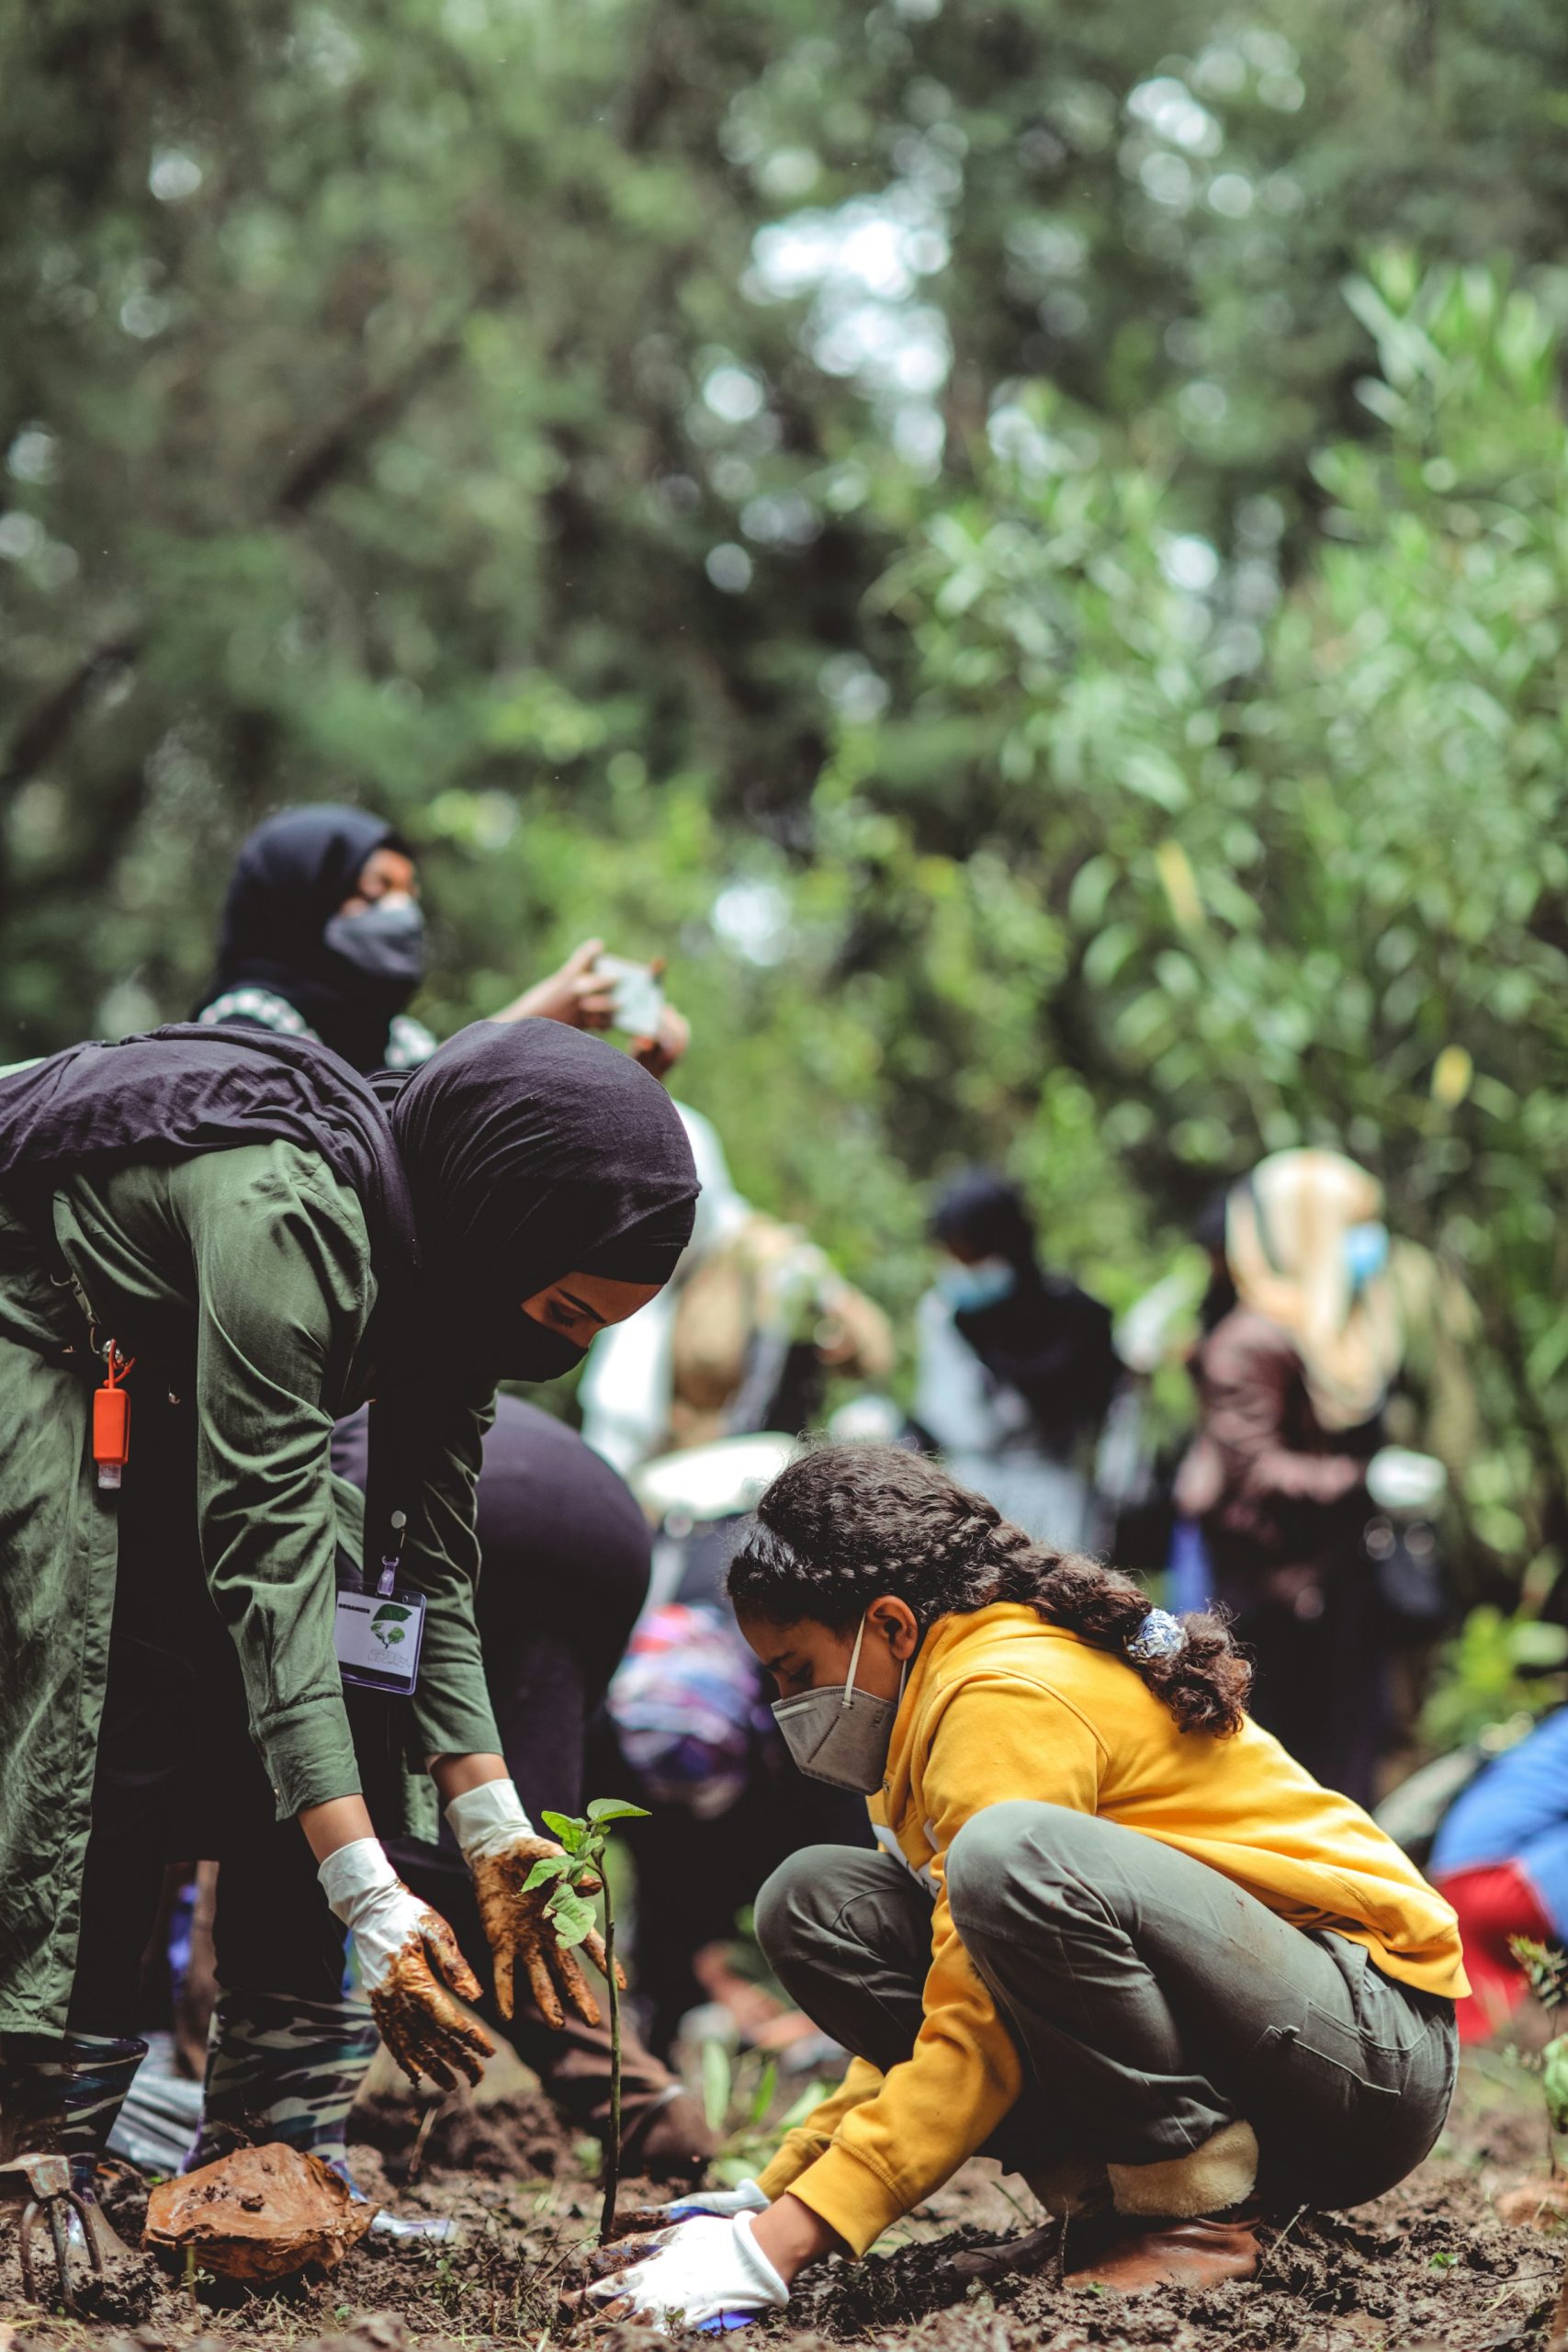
{"x": 377, "y": 1637}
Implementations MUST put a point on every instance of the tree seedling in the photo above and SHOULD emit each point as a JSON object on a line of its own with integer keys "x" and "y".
{"x": 581, "y": 1862}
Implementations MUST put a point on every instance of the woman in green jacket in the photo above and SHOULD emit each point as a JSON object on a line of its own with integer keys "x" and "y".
{"x": 231, "y": 1230}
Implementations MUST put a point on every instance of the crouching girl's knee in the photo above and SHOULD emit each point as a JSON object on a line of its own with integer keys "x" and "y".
{"x": 799, "y": 1899}
{"x": 1019, "y": 1840}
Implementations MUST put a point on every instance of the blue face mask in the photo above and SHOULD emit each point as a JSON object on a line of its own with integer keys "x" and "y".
{"x": 986, "y": 1284}
{"x": 1366, "y": 1254}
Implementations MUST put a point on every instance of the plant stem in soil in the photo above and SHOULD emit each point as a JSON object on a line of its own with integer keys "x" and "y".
{"x": 1557, "y": 2331}
{"x": 613, "y": 2145}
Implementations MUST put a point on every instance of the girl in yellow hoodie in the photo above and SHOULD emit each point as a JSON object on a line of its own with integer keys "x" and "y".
{"x": 1115, "y": 1936}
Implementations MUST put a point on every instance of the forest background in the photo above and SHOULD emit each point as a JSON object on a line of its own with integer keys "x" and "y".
{"x": 1023, "y": 547}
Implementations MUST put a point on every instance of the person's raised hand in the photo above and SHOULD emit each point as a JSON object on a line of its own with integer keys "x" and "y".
{"x": 501, "y": 1848}
{"x": 410, "y": 1966}
{"x": 659, "y": 1053}
{"x": 576, "y": 995}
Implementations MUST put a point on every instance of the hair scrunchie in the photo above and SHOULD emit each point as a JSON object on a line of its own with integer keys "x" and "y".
{"x": 1159, "y": 1635}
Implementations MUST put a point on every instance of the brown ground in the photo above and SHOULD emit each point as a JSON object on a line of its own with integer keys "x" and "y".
{"x": 1431, "y": 2266}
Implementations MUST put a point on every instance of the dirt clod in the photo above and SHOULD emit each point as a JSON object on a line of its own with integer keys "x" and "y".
{"x": 260, "y": 2214}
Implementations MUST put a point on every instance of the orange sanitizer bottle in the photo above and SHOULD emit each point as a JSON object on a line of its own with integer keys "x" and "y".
{"x": 111, "y": 1418}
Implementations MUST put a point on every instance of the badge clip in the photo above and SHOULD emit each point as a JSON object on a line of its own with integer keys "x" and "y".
{"x": 377, "y": 1634}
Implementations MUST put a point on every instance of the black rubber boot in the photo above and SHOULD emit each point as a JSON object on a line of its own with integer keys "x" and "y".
{"x": 61, "y": 2098}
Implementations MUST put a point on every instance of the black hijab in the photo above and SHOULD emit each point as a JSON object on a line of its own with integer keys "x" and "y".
{"x": 1047, "y": 1339}
{"x": 290, "y": 880}
{"x": 535, "y": 1151}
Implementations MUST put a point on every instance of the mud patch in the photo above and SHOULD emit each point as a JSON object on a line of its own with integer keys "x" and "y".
{"x": 1432, "y": 2267}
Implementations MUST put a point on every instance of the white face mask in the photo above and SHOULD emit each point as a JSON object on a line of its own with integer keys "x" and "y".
{"x": 841, "y": 1735}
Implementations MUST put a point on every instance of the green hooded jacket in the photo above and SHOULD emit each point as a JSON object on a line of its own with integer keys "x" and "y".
{"x": 247, "y": 1272}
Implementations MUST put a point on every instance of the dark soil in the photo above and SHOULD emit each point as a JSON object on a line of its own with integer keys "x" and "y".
{"x": 1432, "y": 2266}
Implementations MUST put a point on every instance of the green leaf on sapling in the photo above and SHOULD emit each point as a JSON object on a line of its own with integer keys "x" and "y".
{"x": 571, "y": 1917}
{"x": 547, "y": 1867}
{"x": 606, "y": 1809}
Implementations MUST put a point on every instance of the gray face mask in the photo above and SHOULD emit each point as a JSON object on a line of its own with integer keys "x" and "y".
{"x": 839, "y": 1733}
{"x": 383, "y": 940}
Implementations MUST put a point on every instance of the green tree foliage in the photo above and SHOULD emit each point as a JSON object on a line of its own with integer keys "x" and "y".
{"x": 933, "y": 522}
{"x": 1256, "y": 867}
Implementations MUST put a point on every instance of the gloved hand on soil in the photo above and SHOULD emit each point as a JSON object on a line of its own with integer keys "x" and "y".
{"x": 708, "y": 2273}
{"x": 745, "y": 2197}
{"x": 408, "y": 1957}
{"x": 501, "y": 1848}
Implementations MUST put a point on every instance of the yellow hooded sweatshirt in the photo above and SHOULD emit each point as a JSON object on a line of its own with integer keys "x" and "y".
{"x": 998, "y": 1706}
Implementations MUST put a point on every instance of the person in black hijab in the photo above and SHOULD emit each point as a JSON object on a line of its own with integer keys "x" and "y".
{"x": 1016, "y": 1363}
{"x": 235, "y": 1226}
{"x": 322, "y": 936}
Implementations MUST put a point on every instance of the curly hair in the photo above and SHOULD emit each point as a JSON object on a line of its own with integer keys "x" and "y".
{"x": 845, "y": 1524}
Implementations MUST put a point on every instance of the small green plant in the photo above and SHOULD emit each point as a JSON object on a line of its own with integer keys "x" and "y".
{"x": 576, "y": 1872}
{"x": 739, "y": 2094}
{"x": 1546, "y": 1970}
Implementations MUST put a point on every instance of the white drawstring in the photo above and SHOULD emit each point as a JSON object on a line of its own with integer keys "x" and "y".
{"x": 847, "y": 1699}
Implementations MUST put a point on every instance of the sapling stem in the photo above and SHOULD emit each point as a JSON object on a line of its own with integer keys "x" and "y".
{"x": 582, "y": 1856}
{"x": 613, "y": 2146}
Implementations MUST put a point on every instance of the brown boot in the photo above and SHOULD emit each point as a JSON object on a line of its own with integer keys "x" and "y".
{"x": 1192, "y": 2251}
{"x": 1179, "y": 2220}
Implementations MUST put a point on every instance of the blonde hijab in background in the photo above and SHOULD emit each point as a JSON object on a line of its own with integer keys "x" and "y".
{"x": 1286, "y": 1233}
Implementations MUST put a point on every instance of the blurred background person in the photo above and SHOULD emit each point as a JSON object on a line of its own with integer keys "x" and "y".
{"x": 758, "y": 1320}
{"x": 1300, "y": 1344}
{"x": 1500, "y": 1857}
{"x": 322, "y": 936}
{"x": 1015, "y": 1365}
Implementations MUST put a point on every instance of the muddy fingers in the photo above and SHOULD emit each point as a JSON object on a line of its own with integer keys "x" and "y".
{"x": 542, "y": 1985}
{"x": 446, "y": 1960}
{"x": 420, "y": 2023}
{"x": 574, "y": 1986}
{"x": 408, "y": 1957}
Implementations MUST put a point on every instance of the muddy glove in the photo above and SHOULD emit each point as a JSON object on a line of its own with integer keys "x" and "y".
{"x": 408, "y": 1956}
{"x": 747, "y": 2198}
{"x": 710, "y": 2274}
{"x": 501, "y": 1848}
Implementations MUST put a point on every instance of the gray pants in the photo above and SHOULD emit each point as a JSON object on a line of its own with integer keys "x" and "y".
{"x": 1151, "y": 2001}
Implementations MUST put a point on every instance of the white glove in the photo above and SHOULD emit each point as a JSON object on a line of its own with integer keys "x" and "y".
{"x": 747, "y": 2198}
{"x": 710, "y": 2274}
{"x": 488, "y": 1819}
{"x": 1400, "y": 1480}
{"x": 725, "y": 2202}
{"x": 408, "y": 1957}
